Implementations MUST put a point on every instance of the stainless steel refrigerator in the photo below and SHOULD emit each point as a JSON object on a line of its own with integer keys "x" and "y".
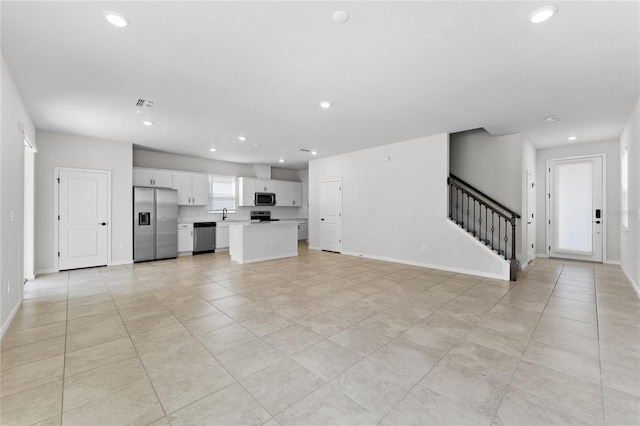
{"x": 155, "y": 223}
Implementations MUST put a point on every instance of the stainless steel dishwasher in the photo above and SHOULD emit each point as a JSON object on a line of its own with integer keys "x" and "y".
{"x": 204, "y": 237}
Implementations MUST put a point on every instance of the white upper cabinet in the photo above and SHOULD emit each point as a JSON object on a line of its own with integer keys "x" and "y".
{"x": 151, "y": 177}
{"x": 246, "y": 191}
{"x": 292, "y": 196}
{"x": 264, "y": 185}
{"x": 193, "y": 189}
{"x": 288, "y": 194}
{"x": 278, "y": 189}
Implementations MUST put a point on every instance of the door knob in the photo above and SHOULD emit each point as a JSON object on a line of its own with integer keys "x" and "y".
{"x": 322, "y": 219}
{"x": 103, "y": 224}
{"x": 597, "y": 221}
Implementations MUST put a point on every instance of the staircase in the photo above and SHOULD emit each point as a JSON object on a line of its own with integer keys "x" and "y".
{"x": 488, "y": 221}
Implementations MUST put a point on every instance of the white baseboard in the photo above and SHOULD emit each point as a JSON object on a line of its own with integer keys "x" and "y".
{"x": 542, "y": 255}
{"x": 612, "y": 262}
{"x": 429, "y": 265}
{"x": 314, "y": 248}
{"x": 633, "y": 283}
{"x": 121, "y": 262}
{"x": 46, "y": 271}
{"x": 262, "y": 259}
{"x": 13, "y": 313}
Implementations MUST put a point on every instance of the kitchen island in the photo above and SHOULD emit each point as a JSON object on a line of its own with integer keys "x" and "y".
{"x": 256, "y": 242}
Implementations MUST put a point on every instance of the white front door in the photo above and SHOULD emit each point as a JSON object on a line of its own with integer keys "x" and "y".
{"x": 531, "y": 220}
{"x": 576, "y": 208}
{"x": 331, "y": 215}
{"x": 83, "y": 213}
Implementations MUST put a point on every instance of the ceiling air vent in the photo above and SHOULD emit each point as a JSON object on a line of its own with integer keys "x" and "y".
{"x": 145, "y": 104}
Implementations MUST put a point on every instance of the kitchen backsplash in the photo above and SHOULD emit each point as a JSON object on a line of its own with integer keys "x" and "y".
{"x": 187, "y": 214}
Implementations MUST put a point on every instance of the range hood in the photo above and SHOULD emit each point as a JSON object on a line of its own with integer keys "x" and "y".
{"x": 261, "y": 171}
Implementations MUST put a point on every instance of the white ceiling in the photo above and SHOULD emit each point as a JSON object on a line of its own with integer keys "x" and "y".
{"x": 395, "y": 71}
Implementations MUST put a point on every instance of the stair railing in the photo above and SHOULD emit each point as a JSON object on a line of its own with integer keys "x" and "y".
{"x": 485, "y": 218}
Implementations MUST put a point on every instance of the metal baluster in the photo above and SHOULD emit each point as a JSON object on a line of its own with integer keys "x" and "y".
{"x": 468, "y": 228}
{"x": 474, "y": 218}
{"x": 514, "y": 263}
{"x": 486, "y": 223}
{"x": 480, "y": 220}
{"x": 493, "y": 228}
{"x": 499, "y": 228}
{"x": 457, "y": 205}
{"x": 450, "y": 200}
{"x": 506, "y": 238}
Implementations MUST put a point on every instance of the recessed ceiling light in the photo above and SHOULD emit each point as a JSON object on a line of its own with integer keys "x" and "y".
{"x": 325, "y": 105}
{"x": 147, "y": 123}
{"x": 551, "y": 119}
{"x": 242, "y": 138}
{"x": 340, "y": 17}
{"x": 314, "y": 152}
{"x": 543, "y": 14}
{"x": 573, "y": 138}
{"x": 281, "y": 160}
{"x": 116, "y": 19}
{"x": 212, "y": 149}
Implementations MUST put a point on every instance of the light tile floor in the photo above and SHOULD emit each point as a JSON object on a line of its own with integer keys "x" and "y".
{"x": 323, "y": 339}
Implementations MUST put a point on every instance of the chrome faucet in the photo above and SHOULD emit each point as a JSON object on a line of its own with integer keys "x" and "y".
{"x": 224, "y": 213}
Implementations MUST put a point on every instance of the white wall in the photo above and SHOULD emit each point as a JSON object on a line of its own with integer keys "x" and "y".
{"x": 491, "y": 164}
{"x": 630, "y": 238}
{"x": 528, "y": 165}
{"x": 497, "y": 166}
{"x": 12, "y": 112}
{"x": 73, "y": 151}
{"x": 612, "y": 221}
{"x": 162, "y": 160}
{"x": 391, "y": 209}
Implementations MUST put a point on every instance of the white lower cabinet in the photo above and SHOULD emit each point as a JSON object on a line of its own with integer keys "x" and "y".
{"x": 302, "y": 231}
{"x": 222, "y": 236}
{"x": 185, "y": 237}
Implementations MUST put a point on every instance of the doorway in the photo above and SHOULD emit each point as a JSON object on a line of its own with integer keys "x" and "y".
{"x": 83, "y": 210}
{"x": 531, "y": 213}
{"x": 28, "y": 211}
{"x": 331, "y": 215}
{"x": 575, "y": 208}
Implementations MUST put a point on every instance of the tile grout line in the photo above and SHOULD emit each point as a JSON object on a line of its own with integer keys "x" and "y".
{"x": 64, "y": 362}
{"x": 604, "y": 411}
{"x": 524, "y": 390}
{"x": 515, "y": 370}
{"x": 135, "y": 349}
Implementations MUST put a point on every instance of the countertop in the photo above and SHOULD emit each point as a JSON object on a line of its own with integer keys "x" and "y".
{"x": 232, "y": 221}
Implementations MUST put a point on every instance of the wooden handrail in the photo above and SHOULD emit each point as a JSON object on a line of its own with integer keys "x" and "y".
{"x": 482, "y": 195}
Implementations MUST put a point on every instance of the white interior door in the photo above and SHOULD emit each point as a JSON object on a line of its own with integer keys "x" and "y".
{"x": 531, "y": 220}
{"x": 576, "y": 208}
{"x": 83, "y": 213}
{"x": 331, "y": 215}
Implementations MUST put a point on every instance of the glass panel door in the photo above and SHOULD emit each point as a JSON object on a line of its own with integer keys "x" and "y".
{"x": 575, "y": 207}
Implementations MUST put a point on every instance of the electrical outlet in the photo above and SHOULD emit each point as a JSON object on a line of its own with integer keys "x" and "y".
{"x": 8, "y": 286}
{"x": 12, "y": 216}
{"x": 424, "y": 248}
{"x": 122, "y": 246}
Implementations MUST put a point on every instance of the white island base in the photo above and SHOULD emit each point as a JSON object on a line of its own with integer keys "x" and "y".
{"x": 256, "y": 242}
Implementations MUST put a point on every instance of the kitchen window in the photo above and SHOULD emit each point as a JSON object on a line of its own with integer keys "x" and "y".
{"x": 222, "y": 193}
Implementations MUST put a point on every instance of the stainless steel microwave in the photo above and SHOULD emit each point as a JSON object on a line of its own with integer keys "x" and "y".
{"x": 265, "y": 199}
